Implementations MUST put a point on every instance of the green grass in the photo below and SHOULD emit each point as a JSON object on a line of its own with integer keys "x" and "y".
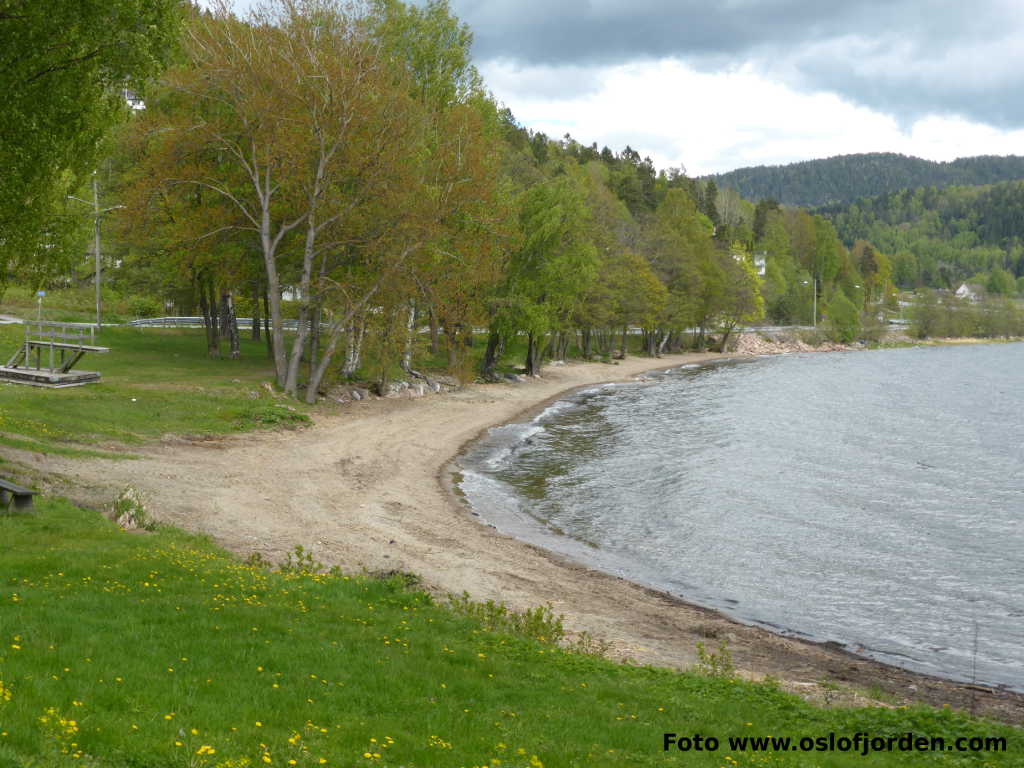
{"x": 155, "y": 382}
{"x": 161, "y": 381}
{"x": 68, "y": 305}
{"x": 158, "y": 650}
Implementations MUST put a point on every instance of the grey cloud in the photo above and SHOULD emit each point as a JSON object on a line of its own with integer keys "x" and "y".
{"x": 548, "y": 82}
{"x": 908, "y": 58}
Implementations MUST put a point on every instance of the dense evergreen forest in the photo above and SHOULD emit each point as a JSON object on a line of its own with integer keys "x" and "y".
{"x": 940, "y": 238}
{"x": 848, "y": 177}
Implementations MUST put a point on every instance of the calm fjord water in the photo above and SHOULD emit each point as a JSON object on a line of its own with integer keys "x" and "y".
{"x": 871, "y": 498}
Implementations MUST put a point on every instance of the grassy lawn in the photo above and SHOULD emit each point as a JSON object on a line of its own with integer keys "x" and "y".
{"x": 156, "y": 650}
{"x": 161, "y": 381}
{"x": 155, "y": 381}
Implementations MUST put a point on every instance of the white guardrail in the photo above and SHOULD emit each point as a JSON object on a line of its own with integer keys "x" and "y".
{"x": 196, "y": 322}
{"x": 291, "y": 325}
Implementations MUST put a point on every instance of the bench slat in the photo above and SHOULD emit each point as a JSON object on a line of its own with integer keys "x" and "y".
{"x": 7, "y": 485}
{"x": 61, "y": 345}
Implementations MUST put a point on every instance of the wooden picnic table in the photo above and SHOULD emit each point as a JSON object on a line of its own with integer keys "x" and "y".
{"x": 63, "y": 345}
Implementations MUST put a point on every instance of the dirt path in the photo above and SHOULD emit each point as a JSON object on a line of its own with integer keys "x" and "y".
{"x": 364, "y": 489}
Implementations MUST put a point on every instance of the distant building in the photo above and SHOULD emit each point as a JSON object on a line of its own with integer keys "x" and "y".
{"x": 135, "y": 103}
{"x": 973, "y": 293}
{"x": 759, "y": 259}
{"x": 761, "y": 262}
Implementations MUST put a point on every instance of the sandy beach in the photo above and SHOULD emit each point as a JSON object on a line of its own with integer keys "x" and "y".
{"x": 366, "y": 489}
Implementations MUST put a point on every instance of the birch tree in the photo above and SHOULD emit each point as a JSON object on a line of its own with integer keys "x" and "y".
{"x": 314, "y": 134}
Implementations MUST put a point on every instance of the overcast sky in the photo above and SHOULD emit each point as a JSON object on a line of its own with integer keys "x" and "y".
{"x": 714, "y": 85}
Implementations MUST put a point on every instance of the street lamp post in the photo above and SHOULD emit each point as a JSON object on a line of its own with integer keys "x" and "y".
{"x": 814, "y": 311}
{"x": 97, "y": 214}
{"x": 96, "y": 241}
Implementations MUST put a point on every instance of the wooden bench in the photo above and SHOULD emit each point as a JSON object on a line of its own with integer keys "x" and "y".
{"x": 64, "y": 344}
{"x": 22, "y": 497}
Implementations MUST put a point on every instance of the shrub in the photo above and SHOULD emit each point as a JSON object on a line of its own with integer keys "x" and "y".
{"x": 715, "y": 663}
{"x": 843, "y": 319}
{"x": 130, "y": 511}
{"x": 144, "y": 306}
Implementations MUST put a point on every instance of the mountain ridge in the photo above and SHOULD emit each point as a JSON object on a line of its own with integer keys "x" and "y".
{"x": 845, "y": 178}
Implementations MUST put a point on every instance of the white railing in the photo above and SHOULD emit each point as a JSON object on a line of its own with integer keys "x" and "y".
{"x": 197, "y": 322}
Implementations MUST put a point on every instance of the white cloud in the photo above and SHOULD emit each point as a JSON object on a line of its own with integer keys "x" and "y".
{"x": 713, "y": 122}
{"x": 776, "y": 98}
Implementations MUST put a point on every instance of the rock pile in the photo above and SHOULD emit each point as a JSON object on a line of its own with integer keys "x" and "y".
{"x": 756, "y": 344}
{"x": 344, "y": 393}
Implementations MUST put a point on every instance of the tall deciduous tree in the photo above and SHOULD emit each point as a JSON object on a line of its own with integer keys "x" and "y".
{"x": 551, "y": 269}
{"x": 741, "y": 299}
{"x": 64, "y": 68}
{"x": 314, "y": 139}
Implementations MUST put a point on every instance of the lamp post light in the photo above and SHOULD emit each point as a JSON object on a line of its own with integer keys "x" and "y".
{"x": 814, "y": 311}
{"x": 97, "y": 214}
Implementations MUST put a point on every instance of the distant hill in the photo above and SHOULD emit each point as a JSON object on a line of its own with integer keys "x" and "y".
{"x": 846, "y": 178}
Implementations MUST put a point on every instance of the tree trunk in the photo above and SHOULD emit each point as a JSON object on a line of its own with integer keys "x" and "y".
{"x": 410, "y": 337}
{"x": 411, "y": 332}
{"x": 491, "y": 355}
{"x": 665, "y": 336}
{"x": 266, "y": 326}
{"x": 354, "y": 347}
{"x": 651, "y": 342}
{"x": 229, "y": 323}
{"x": 451, "y": 337}
{"x": 531, "y": 356}
{"x": 435, "y": 334}
{"x": 561, "y": 346}
{"x": 622, "y": 346}
{"x": 534, "y": 353}
{"x": 726, "y": 335}
{"x": 209, "y": 311}
{"x": 314, "y": 341}
{"x": 291, "y": 384}
{"x": 273, "y": 295}
{"x": 586, "y": 335}
{"x": 256, "y": 310}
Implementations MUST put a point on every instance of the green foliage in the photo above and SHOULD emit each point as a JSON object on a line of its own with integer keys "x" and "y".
{"x": 716, "y": 663}
{"x": 848, "y": 177}
{"x": 63, "y": 70}
{"x": 941, "y": 238}
{"x": 945, "y": 316}
{"x": 435, "y": 47}
{"x": 1001, "y": 282}
{"x": 271, "y": 415}
{"x": 551, "y": 269}
{"x": 539, "y": 624}
{"x": 843, "y": 319}
{"x": 300, "y": 561}
{"x": 130, "y": 511}
{"x": 144, "y": 306}
{"x": 927, "y": 318}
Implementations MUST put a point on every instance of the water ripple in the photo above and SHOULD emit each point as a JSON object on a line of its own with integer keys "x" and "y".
{"x": 874, "y": 499}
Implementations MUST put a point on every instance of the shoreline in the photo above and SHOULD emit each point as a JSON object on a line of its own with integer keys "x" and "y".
{"x": 369, "y": 486}
{"x": 535, "y": 533}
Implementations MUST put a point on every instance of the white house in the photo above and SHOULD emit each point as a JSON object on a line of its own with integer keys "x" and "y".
{"x": 972, "y": 293}
{"x": 761, "y": 262}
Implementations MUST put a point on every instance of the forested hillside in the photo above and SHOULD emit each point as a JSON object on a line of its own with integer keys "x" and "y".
{"x": 939, "y": 238}
{"x": 848, "y": 177}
